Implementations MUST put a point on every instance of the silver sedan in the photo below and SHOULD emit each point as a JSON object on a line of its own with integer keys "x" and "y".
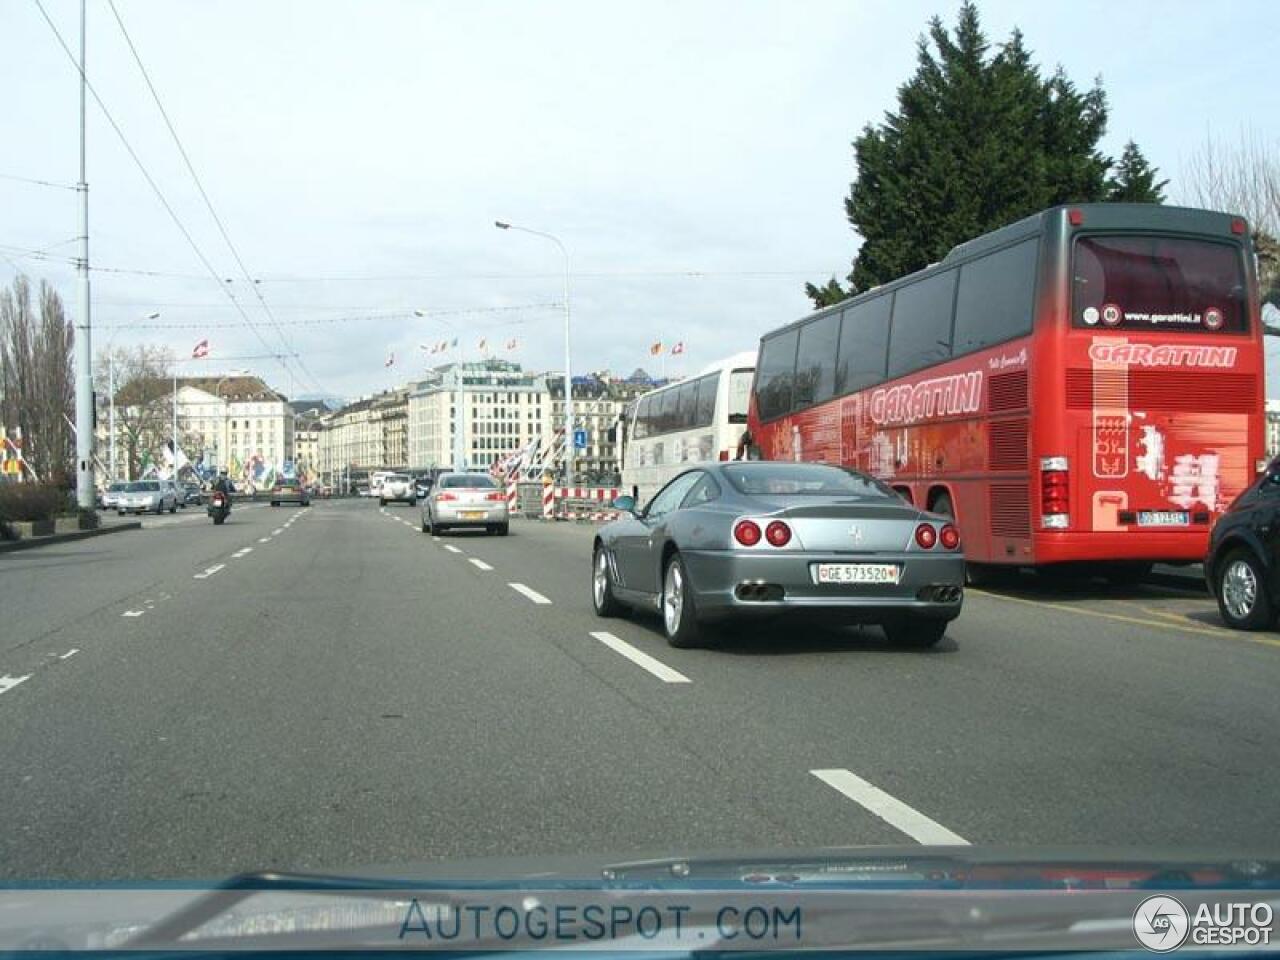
{"x": 771, "y": 539}
{"x": 466, "y": 500}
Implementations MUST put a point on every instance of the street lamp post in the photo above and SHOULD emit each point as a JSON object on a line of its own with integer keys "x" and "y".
{"x": 568, "y": 382}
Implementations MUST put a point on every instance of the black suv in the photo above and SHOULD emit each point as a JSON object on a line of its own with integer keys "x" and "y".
{"x": 1243, "y": 563}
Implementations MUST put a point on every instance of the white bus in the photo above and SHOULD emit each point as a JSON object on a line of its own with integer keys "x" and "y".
{"x": 692, "y": 421}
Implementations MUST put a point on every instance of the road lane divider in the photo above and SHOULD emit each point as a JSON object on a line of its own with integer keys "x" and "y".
{"x": 277, "y": 531}
{"x": 133, "y": 613}
{"x": 7, "y": 682}
{"x": 451, "y": 548}
{"x": 529, "y": 592}
{"x": 208, "y": 572}
{"x": 640, "y": 658}
{"x": 264, "y": 539}
{"x": 244, "y": 552}
{"x": 478, "y": 564}
{"x": 889, "y": 808}
{"x": 69, "y": 654}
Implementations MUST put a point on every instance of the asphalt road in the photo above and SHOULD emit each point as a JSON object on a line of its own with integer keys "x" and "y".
{"x": 330, "y": 687}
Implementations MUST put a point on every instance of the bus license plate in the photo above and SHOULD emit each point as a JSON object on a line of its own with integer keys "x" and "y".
{"x": 1163, "y": 518}
{"x": 856, "y": 573}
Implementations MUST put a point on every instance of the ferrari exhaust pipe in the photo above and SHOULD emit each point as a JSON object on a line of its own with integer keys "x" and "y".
{"x": 758, "y": 592}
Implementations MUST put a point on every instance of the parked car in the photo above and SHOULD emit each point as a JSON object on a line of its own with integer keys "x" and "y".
{"x": 148, "y": 496}
{"x": 1240, "y": 567}
{"x": 192, "y": 495}
{"x": 111, "y": 496}
{"x": 289, "y": 491}
{"x": 397, "y": 488}
{"x": 466, "y": 500}
{"x": 773, "y": 539}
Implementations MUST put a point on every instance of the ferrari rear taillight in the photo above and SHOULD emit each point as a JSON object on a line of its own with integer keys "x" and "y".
{"x": 777, "y": 533}
{"x": 747, "y": 532}
{"x": 949, "y": 536}
{"x": 1055, "y": 493}
{"x": 926, "y": 536}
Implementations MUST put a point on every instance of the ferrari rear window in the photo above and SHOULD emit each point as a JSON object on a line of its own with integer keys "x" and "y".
{"x": 801, "y": 479}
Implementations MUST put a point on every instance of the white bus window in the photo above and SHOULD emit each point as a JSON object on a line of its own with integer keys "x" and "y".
{"x": 739, "y": 395}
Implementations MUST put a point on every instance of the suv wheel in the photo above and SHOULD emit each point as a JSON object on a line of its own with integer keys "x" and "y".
{"x": 1242, "y": 593}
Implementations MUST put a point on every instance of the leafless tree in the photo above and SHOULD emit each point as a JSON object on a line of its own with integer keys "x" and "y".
{"x": 144, "y": 394}
{"x": 1242, "y": 177}
{"x": 36, "y": 387}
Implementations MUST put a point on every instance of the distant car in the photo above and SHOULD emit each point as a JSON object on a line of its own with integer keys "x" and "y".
{"x": 111, "y": 496}
{"x": 774, "y": 539}
{"x": 192, "y": 495}
{"x": 466, "y": 500}
{"x": 422, "y": 487}
{"x": 397, "y": 488}
{"x": 289, "y": 491}
{"x": 148, "y": 496}
{"x": 363, "y": 492}
{"x": 1240, "y": 567}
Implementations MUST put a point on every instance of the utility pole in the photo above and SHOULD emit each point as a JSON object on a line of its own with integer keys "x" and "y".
{"x": 83, "y": 350}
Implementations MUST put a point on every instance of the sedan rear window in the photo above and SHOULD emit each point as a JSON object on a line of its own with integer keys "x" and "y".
{"x": 803, "y": 479}
{"x": 471, "y": 481}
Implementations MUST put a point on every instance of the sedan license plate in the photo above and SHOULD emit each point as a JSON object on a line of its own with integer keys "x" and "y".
{"x": 1163, "y": 518}
{"x": 856, "y": 573}
{"x": 472, "y": 514}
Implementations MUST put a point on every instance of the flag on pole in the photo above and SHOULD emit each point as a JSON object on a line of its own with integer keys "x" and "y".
{"x": 678, "y": 348}
{"x": 656, "y": 348}
{"x": 391, "y": 358}
{"x": 512, "y": 343}
{"x": 201, "y": 350}
{"x": 483, "y": 343}
{"x": 455, "y": 343}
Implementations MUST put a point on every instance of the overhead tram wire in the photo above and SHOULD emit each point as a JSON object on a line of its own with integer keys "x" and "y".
{"x": 152, "y": 183}
{"x": 204, "y": 195}
{"x": 38, "y": 182}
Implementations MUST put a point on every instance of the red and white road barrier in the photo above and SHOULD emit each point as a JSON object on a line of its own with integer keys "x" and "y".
{"x": 548, "y": 502}
{"x": 595, "y": 494}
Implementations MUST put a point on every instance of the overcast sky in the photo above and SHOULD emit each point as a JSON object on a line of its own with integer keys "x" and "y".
{"x": 692, "y": 156}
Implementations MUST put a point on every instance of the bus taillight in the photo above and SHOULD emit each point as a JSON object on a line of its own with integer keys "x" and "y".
{"x": 1055, "y": 493}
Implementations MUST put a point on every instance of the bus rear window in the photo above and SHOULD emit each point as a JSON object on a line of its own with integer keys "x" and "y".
{"x": 1158, "y": 283}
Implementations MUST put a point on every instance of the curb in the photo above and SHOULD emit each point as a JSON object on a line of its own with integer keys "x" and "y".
{"x": 9, "y": 546}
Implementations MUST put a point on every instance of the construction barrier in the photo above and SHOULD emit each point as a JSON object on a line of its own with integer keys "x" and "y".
{"x": 548, "y": 500}
{"x": 585, "y": 503}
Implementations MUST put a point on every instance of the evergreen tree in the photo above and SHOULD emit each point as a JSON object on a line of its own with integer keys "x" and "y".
{"x": 1134, "y": 180}
{"x": 978, "y": 140}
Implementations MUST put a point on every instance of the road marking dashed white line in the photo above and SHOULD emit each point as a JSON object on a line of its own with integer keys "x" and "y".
{"x": 529, "y": 592}
{"x": 8, "y": 683}
{"x": 133, "y": 613}
{"x": 479, "y": 564}
{"x": 209, "y": 571}
{"x": 277, "y": 531}
{"x": 264, "y": 539}
{"x": 240, "y": 553}
{"x": 435, "y": 539}
{"x": 640, "y": 658}
{"x": 69, "y": 654}
{"x": 889, "y": 808}
{"x": 451, "y": 548}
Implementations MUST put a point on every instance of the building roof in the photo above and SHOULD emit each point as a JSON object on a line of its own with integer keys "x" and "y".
{"x": 234, "y": 388}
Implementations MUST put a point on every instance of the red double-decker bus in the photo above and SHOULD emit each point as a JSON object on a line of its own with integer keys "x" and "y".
{"x": 1083, "y": 385}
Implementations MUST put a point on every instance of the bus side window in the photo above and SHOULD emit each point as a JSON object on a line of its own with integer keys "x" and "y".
{"x": 921, "y": 331}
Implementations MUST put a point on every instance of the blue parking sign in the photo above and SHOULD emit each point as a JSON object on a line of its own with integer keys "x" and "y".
{"x": 580, "y": 439}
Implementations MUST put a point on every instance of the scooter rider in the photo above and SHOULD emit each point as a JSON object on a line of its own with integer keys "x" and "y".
{"x": 223, "y": 485}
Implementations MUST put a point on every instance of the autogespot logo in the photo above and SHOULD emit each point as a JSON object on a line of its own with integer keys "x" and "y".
{"x": 1161, "y": 924}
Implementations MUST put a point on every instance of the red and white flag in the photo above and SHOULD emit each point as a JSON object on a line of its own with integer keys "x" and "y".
{"x": 391, "y": 358}
{"x": 201, "y": 350}
{"x": 678, "y": 348}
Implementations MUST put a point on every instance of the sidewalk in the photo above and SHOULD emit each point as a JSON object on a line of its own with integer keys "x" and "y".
{"x": 9, "y": 546}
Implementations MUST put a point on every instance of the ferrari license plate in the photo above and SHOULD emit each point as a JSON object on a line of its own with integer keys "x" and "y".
{"x": 472, "y": 514}
{"x": 856, "y": 572}
{"x": 1163, "y": 518}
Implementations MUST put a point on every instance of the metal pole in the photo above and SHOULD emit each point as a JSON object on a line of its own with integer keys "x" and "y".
{"x": 83, "y": 350}
{"x": 174, "y": 430}
{"x": 568, "y": 382}
{"x": 111, "y": 420}
{"x": 459, "y": 420}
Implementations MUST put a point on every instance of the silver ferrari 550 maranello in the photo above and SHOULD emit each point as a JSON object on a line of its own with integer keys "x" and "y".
{"x": 775, "y": 539}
